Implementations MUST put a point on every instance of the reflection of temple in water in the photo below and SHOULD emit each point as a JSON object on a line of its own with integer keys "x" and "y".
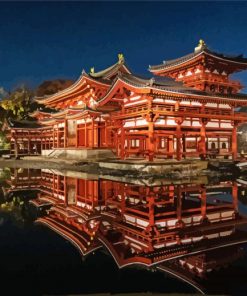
{"x": 180, "y": 229}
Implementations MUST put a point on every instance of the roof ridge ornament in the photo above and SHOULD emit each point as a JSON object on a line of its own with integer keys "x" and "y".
{"x": 201, "y": 45}
{"x": 92, "y": 70}
{"x": 150, "y": 82}
{"x": 120, "y": 58}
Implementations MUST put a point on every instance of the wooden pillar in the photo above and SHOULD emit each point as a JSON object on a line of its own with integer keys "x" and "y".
{"x": 85, "y": 132}
{"x": 184, "y": 145}
{"x": 234, "y": 142}
{"x": 202, "y": 142}
{"x": 170, "y": 145}
{"x": 65, "y": 134}
{"x": 76, "y": 132}
{"x": 122, "y": 154}
{"x": 92, "y": 133}
{"x": 178, "y": 136}
{"x": 53, "y": 137}
{"x": 106, "y": 141}
{"x": 150, "y": 140}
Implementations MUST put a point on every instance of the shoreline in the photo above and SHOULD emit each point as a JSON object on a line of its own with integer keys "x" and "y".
{"x": 142, "y": 173}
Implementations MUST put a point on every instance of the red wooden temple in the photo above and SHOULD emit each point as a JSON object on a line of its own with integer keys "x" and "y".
{"x": 191, "y": 112}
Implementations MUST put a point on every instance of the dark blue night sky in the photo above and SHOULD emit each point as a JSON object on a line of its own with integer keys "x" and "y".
{"x": 47, "y": 40}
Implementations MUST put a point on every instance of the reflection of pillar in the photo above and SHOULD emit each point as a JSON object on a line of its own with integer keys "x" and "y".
{"x": 65, "y": 190}
{"x": 203, "y": 202}
{"x": 29, "y": 144}
{"x": 179, "y": 204}
{"x": 235, "y": 196}
{"x": 16, "y": 148}
{"x": 234, "y": 142}
{"x": 122, "y": 193}
{"x": 150, "y": 200}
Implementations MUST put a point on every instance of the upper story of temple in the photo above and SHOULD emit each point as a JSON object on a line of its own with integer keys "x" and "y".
{"x": 204, "y": 70}
{"x": 199, "y": 78}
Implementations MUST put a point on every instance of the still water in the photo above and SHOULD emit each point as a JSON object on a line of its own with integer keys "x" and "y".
{"x": 65, "y": 232}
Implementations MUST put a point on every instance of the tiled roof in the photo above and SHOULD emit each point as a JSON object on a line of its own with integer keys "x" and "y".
{"x": 110, "y": 71}
{"x": 22, "y": 124}
{"x": 166, "y": 64}
{"x": 170, "y": 84}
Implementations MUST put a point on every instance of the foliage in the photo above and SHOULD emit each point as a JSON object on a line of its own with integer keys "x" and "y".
{"x": 18, "y": 103}
{"x": 4, "y": 144}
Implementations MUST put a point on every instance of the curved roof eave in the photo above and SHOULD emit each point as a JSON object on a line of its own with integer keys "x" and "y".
{"x": 151, "y": 89}
{"x": 71, "y": 88}
{"x": 183, "y": 60}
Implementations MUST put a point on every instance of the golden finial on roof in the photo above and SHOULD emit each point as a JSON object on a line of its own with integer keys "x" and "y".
{"x": 92, "y": 70}
{"x": 201, "y": 45}
{"x": 120, "y": 58}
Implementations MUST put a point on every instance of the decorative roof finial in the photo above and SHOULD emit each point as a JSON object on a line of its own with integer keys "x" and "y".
{"x": 201, "y": 45}
{"x": 92, "y": 70}
{"x": 120, "y": 58}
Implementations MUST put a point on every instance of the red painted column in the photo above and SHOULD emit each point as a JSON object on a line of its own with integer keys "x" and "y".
{"x": 170, "y": 146}
{"x": 76, "y": 135}
{"x": 151, "y": 140}
{"x": 92, "y": 133}
{"x": 234, "y": 142}
{"x": 53, "y": 137}
{"x": 65, "y": 134}
{"x": 179, "y": 145}
{"x": 85, "y": 132}
{"x": 202, "y": 145}
{"x": 122, "y": 152}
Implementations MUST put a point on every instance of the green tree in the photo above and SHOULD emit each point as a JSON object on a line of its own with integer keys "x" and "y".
{"x": 18, "y": 103}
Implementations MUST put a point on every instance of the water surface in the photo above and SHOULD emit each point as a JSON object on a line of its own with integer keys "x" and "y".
{"x": 65, "y": 232}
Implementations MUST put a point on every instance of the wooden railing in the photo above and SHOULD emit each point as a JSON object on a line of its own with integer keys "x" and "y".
{"x": 181, "y": 111}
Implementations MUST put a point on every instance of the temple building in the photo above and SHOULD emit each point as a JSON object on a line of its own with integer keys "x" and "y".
{"x": 188, "y": 109}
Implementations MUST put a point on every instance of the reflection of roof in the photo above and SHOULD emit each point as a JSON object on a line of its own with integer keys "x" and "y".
{"x": 239, "y": 59}
{"x": 22, "y": 124}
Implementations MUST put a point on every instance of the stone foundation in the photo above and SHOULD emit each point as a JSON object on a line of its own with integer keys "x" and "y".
{"x": 79, "y": 154}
